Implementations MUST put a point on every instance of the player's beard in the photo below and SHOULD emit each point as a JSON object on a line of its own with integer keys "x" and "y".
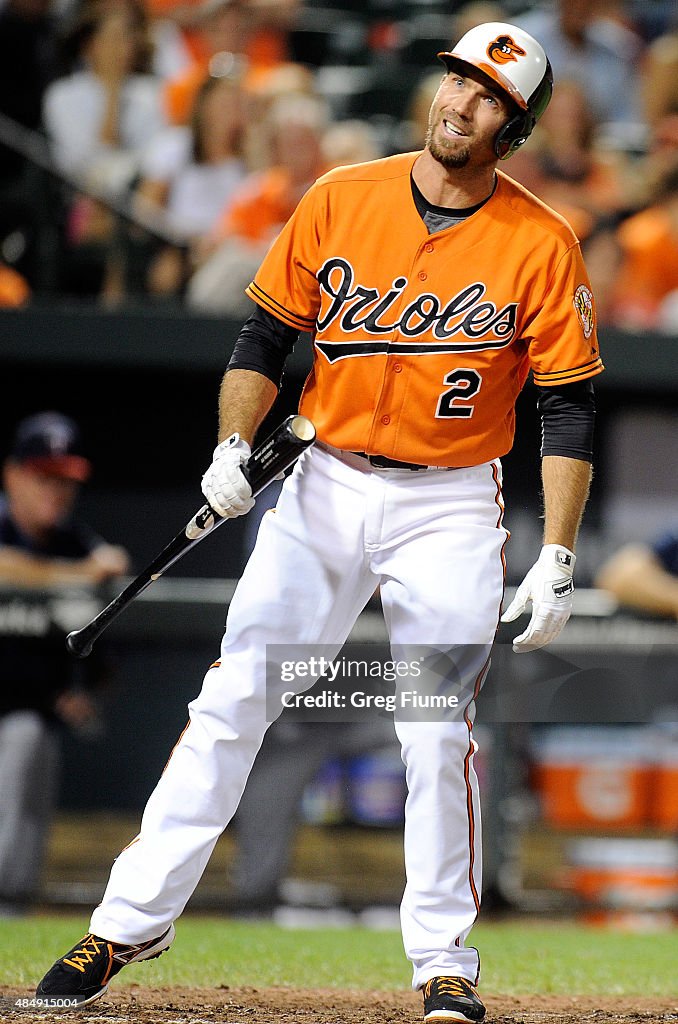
{"x": 448, "y": 158}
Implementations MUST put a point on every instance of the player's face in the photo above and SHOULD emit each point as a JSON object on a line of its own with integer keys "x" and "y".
{"x": 39, "y": 501}
{"x": 464, "y": 120}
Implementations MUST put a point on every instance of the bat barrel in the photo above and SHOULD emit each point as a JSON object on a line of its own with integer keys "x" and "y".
{"x": 278, "y": 452}
{"x": 303, "y": 429}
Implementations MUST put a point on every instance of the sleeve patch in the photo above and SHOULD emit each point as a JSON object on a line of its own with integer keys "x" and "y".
{"x": 583, "y": 304}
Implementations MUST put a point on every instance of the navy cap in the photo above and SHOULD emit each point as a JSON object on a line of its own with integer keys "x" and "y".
{"x": 51, "y": 442}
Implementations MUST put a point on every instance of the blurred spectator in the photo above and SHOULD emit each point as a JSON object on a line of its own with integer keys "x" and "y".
{"x": 139, "y": 24}
{"x": 173, "y": 43}
{"x": 262, "y": 205}
{"x": 265, "y": 202}
{"x": 660, "y": 78}
{"x": 98, "y": 119}
{"x": 590, "y": 42}
{"x": 644, "y": 576}
{"x": 648, "y": 171}
{"x": 41, "y": 547}
{"x": 349, "y": 142}
{"x": 565, "y": 168}
{"x": 172, "y": 51}
{"x": 191, "y": 172}
{"x": 222, "y": 29}
{"x": 646, "y": 288}
{"x": 477, "y": 12}
{"x": 286, "y": 80}
{"x": 268, "y": 47}
{"x": 250, "y": 34}
{"x": 100, "y": 116}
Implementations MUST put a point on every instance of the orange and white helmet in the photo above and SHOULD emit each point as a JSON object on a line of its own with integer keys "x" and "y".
{"x": 516, "y": 63}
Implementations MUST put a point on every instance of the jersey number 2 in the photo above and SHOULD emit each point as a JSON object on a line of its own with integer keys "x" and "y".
{"x": 465, "y": 384}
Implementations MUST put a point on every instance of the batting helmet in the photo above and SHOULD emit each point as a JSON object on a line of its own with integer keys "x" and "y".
{"x": 518, "y": 65}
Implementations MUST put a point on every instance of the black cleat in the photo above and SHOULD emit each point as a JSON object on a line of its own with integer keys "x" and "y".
{"x": 84, "y": 973}
{"x": 449, "y": 999}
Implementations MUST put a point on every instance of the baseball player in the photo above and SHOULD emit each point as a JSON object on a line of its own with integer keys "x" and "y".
{"x": 431, "y": 284}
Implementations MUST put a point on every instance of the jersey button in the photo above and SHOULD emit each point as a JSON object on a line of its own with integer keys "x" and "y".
{"x": 428, "y": 247}
{"x": 397, "y": 368}
{"x": 422, "y": 275}
{"x": 386, "y": 420}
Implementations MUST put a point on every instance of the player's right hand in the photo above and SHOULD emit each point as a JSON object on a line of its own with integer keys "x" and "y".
{"x": 224, "y": 484}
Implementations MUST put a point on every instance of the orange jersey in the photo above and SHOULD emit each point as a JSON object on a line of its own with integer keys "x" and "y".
{"x": 422, "y": 342}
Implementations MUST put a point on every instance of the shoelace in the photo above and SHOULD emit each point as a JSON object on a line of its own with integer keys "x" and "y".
{"x": 89, "y": 949}
{"x": 449, "y": 987}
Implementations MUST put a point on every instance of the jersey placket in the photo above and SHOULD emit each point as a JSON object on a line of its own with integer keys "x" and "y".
{"x": 397, "y": 369}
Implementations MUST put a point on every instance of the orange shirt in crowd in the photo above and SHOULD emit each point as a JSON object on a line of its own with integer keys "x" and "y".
{"x": 14, "y": 290}
{"x": 261, "y": 207}
{"x": 649, "y": 269}
{"x": 265, "y": 52}
{"x": 165, "y": 8}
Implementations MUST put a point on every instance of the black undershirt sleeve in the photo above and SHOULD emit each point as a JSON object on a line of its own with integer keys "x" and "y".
{"x": 568, "y": 413}
{"x": 264, "y": 343}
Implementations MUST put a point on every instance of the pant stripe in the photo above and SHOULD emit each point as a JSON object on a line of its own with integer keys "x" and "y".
{"x": 181, "y": 736}
{"x": 469, "y": 791}
{"x": 478, "y": 684}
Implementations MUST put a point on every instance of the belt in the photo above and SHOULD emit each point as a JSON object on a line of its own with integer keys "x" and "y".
{"x": 381, "y": 462}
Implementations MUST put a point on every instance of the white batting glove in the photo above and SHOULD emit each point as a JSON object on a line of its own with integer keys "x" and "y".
{"x": 549, "y": 586}
{"x": 224, "y": 485}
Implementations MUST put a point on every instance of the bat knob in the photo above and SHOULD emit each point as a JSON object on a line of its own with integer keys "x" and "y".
{"x": 77, "y": 646}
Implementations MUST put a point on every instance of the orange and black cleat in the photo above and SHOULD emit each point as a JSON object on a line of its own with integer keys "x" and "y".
{"x": 84, "y": 973}
{"x": 449, "y": 999}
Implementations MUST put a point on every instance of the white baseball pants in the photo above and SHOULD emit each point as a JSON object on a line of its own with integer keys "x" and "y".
{"x": 434, "y": 542}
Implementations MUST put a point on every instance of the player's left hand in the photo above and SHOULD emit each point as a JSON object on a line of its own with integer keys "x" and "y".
{"x": 549, "y": 586}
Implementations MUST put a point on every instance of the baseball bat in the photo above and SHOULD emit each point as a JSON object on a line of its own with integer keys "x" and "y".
{"x": 276, "y": 454}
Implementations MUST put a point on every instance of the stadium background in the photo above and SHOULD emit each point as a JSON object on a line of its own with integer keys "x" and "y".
{"x": 142, "y": 379}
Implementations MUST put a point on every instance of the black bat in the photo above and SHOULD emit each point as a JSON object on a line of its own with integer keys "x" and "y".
{"x": 272, "y": 457}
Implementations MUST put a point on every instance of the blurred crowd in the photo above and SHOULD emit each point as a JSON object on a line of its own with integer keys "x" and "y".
{"x": 152, "y": 149}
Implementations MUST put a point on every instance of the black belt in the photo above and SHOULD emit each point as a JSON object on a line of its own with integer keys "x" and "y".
{"x": 381, "y": 462}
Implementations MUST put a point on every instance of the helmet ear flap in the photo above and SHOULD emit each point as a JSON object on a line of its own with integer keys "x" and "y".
{"x": 518, "y": 129}
{"x": 513, "y": 135}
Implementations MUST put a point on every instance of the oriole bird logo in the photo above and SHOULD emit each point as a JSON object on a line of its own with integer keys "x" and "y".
{"x": 504, "y": 49}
